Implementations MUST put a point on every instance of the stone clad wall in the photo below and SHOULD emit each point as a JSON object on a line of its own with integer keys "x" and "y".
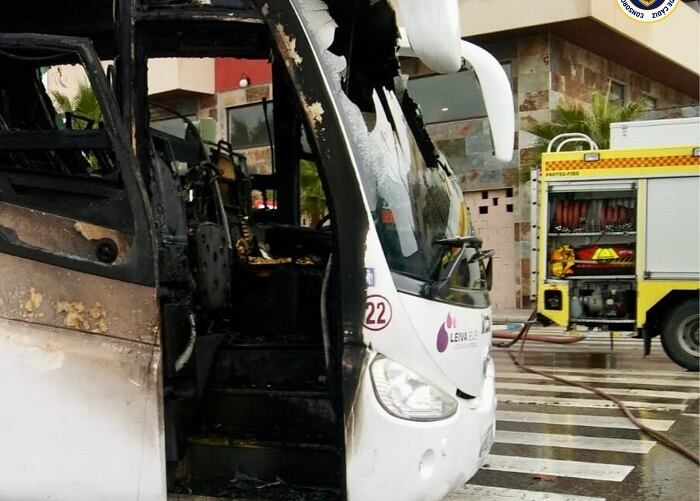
{"x": 468, "y": 147}
{"x": 577, "y": 72}
{"x": 533, "y": 91}
{"x": 532, "y": 86}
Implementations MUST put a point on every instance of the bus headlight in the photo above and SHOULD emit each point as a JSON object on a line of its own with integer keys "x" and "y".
{"x": 406, "y": 395}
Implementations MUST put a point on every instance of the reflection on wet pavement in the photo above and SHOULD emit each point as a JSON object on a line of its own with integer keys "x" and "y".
{"x": 560, "y": 443}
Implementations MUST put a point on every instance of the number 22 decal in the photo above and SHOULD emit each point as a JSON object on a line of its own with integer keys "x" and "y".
{"x": 377, "y": 313}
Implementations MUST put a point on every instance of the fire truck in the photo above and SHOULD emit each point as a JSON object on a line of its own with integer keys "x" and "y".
{"x": 616, "y": 244}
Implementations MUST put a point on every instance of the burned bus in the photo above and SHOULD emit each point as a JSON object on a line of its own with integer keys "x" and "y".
{"x": 161, "y": 335}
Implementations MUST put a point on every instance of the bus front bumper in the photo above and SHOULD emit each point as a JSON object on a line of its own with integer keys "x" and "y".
{"x": 397, "y": 459}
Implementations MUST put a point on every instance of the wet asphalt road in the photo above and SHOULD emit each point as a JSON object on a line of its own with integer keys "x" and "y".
{"x": 561, "y": 443}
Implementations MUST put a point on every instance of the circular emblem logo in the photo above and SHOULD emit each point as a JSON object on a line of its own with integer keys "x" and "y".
{"x": 377, "y": 313}
{"x": 647, "y": 11}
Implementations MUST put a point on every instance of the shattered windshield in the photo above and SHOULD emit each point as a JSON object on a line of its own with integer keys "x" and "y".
{"x": 411, "y": 191}
{"x": 412, "y": 204}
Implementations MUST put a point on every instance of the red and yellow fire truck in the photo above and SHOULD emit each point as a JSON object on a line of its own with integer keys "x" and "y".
{"x": 617, "y": 241}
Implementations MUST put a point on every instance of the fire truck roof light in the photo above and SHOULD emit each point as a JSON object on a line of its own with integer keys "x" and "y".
{"x": 591, "y": 157}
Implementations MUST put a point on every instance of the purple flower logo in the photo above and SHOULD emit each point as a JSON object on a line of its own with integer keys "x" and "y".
{"x": 443, "y": 336}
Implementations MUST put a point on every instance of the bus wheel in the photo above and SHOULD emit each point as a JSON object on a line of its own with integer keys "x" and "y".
{"x": 679, "y": 334}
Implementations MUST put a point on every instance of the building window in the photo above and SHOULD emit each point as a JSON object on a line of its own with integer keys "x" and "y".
{"x": 617, "y": 93}
{"x": 246, "y": 126}
{"x": 650, "y": 102}
{"x": 174, "y": 126}
{"x": 446, "y": 98}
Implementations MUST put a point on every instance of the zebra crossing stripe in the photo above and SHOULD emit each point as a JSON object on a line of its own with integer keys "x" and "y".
{"x": 620, "y": 343}
{"x": 575, "y": 442}
{"x": 613, "y": 391}
{"x": 587, "y": 338}
{"x": 581, "y": 420}
{"x": 624, "y": 372}
{"x": 585, "y": 402}
{"x": 488, "y": 493}
{"x": 671, "y": 388}
{"x": 558, "y": 467}
{"x": 593, "y": 379}
{"x": 601, "y": 341}
{"x": 578, "y": 348}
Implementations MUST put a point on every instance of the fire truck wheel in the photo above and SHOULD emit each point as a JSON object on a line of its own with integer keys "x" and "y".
{"x": 679, "y": 334}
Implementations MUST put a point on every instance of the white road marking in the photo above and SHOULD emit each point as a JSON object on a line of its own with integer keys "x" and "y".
{"x": 574, "y": 349}
{"x": 617, "y": 343}
{"x": 581, "y": 420}
{"x": 553, "y": 353}
{"x": 624, "y": 372}
{"x": 587, "y": 338}
{"x": 562, "y": 388}
{"x": 488, "y": 493}
{"x": 599, "y": 340}
{"x": 575, "y": 441}
{"x": 594, "y": 403}
{"x": 668, "y": 385}
{"x": 593, "y": 379}
{"x": 569, "y": 343}
{"x": 559, "y": 467}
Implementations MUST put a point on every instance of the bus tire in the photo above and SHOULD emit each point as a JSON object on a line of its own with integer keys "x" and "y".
{"x": 679, "y": 334}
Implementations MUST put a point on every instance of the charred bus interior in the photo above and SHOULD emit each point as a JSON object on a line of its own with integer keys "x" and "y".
{"x": 249, "y": 377}
{"x": 251, "y": 397}
{"x": 252, "y": 345}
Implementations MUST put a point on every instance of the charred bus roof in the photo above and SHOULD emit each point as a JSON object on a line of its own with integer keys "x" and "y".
{"x": 177, "y": 28}
{"x": 194, "y": 28}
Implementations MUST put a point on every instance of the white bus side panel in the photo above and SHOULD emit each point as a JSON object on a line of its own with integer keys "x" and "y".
{"x": 80, "y": 416}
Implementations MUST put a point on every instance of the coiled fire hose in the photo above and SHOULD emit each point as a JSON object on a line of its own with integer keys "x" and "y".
{"x": 518, "y": 361}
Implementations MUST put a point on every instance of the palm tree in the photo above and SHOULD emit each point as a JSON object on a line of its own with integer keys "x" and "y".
{"x": 83, "y": 105}
{"x": 569, "y": 116}
{"x": 85, "y": 113}
{"x": 313, "y": 199}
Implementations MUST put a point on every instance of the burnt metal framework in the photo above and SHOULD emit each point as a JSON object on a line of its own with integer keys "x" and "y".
{"x": 348, "y": 285}
{"x": 337, "y": 169}
{"x": 136, "y": 21}
{"x": 138, "y": 27}
{"x": 138, "y": 267}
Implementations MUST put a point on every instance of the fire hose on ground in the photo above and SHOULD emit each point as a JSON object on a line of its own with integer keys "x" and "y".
{"x": 522, "y": 336}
